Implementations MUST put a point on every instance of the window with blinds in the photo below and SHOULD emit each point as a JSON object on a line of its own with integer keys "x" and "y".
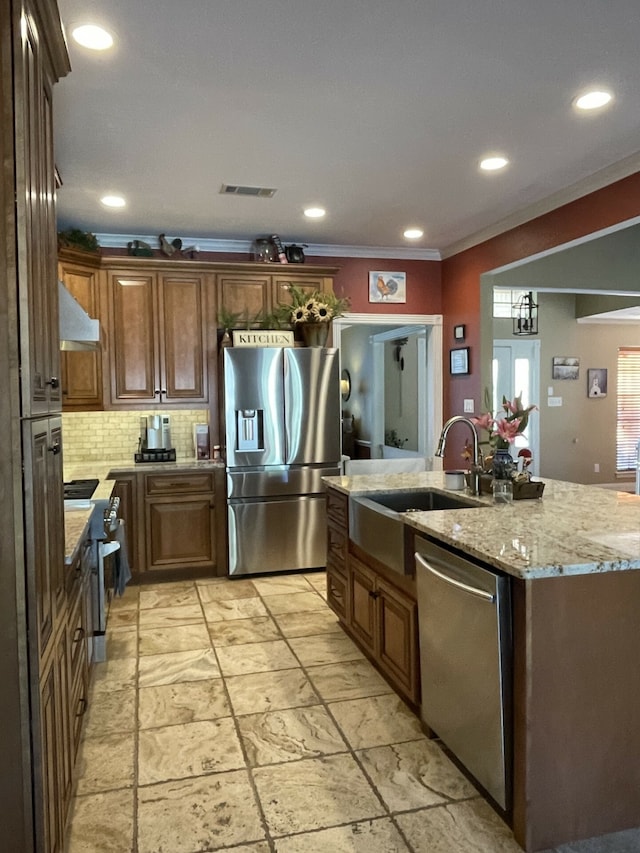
{"x": 628, "y": 425}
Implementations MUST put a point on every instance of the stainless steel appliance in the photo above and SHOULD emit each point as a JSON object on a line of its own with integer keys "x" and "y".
{"x": 282, "y": 432}
{"x": 106, "y": 532}
{"x": 105, "y": 545}
{"x": 464, "y": 615}
{"x": 155, "y": 432}
{"x": 154, "y": 442}
{"x": 79, "y": 489}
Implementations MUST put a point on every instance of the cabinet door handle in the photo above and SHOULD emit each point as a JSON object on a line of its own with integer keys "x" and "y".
{"x": 54, "y": 382}
{"x": 55, "y": 448}
{"x": 374, "y": 594}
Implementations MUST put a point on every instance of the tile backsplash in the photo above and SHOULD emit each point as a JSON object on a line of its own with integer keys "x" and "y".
{"x": 113, "y": 436}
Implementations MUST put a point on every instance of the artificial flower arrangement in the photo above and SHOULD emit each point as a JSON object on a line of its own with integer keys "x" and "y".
{"x": 503, "y": 431}
{"x": 316, "y": 307}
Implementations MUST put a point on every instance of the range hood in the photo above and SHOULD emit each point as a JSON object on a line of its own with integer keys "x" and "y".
{"x": 77, "y": 330}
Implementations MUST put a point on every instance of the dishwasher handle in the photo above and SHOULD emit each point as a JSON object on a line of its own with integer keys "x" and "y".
{"x": 472, "y": 590}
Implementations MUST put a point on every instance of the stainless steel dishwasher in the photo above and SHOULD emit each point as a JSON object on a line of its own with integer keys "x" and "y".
{"x": 464, "y": 614}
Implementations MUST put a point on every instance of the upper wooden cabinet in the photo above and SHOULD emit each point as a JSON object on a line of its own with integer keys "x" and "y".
{"x": 308, "y": 282}
{"x": 158, "y": 351}
{"x": 254, "y": 294}
{"x": 159, "y": 320}
{"x": 81, "y": 372}
{"x": 37, "y": 65}
{"x": 247, "y": 296}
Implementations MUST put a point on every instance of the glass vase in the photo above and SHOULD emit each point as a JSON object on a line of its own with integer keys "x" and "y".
{"x": 503, "y": 464}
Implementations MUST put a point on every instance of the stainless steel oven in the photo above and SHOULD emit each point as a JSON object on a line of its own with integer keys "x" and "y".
{"x": 106, "y": 533}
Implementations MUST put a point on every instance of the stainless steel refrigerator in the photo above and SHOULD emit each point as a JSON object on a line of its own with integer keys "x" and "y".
{"x": 282, "y": 435}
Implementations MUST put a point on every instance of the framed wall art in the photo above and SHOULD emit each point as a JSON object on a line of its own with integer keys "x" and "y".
{"x": 597, "y": 382}
{"x": 459, "y": 361}
{"x": 458, "y": 332}
{"x": 387, "y": 286}
{"x": 565, "y": 367}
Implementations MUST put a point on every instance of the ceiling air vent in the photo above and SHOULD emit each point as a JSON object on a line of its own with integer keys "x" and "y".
{"x": 259, "y": 192}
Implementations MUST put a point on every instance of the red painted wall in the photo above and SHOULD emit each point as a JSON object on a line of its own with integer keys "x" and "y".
{"x": 461, "y": 273}
{"x": 424, "y": 293}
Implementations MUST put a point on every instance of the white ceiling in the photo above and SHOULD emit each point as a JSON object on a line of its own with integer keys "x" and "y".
{"x": 378, "y": 110}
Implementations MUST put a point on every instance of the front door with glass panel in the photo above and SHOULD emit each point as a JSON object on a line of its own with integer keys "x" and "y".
{"x": 516, "y": 371}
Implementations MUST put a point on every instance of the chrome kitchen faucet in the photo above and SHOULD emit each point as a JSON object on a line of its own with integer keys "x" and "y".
{"x": 475, "y": 464}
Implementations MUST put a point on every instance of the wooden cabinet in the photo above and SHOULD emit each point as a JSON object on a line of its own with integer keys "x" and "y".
{"x": 158, "y": 352}
{"x": 37, "y": 65}
{"x": 337, "y": 551}
{"x": 79, "y": 664}
{"x": 384, "y": 620}
{"x": 35, "y": 783}
{"x": 126, "y": 488}
{"x": 174, "y": 522}
{"x": 53, "y": 746}
{"x": 376, "y": 607}
{"x": 49, "y": 818}
{"x": 43, "y": 515}
{"x": 307, "y": 282}
{"x": 180, "y": 521}
{"x": 258, "y": 290}
{"x": 247, "y": 296}
{"x": 363, "y": 609}
{"x": 158, "y": 321}
{"x": 81, "y": 372}
{"x": 397, "y": 638}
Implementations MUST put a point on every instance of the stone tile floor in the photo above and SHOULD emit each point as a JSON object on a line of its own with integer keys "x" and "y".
{"x": 236, "y": 715}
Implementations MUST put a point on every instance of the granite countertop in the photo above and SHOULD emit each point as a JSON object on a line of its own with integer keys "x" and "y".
{"x": 75, "y": 532}
{"x": 102, "y": 470}
{"x": 573, "y": 529}
{"x": 187, "y": 463}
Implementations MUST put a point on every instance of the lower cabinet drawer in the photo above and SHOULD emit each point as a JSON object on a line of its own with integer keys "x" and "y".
{"x": 176, "y": 484}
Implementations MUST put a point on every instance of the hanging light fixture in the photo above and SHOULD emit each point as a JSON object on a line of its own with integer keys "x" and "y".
{"x": 525, "y": 315}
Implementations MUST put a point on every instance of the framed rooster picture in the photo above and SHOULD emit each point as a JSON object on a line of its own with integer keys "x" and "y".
{"x": 387, "y": 287}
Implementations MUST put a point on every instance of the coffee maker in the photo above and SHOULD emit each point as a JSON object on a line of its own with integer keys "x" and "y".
{"x": 155, "y": 432}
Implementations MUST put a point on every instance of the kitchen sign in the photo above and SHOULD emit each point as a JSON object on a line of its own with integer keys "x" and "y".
{"x": 262, "y": 338}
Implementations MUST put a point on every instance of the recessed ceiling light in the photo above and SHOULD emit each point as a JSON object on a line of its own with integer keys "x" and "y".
{"x": 315, "y": 212}
{"x": 113, "y": 201}
{"x": 492, "y": 164}
{"x": 413, "y": 233}
{"x": 95, "y": 38}
{"x": 593, "y": 100}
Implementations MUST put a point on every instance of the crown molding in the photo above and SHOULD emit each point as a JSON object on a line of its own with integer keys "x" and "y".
{"x": 205, "y": 244}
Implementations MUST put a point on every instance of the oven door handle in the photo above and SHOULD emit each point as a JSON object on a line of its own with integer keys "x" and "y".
{"x": 107, "y": 548}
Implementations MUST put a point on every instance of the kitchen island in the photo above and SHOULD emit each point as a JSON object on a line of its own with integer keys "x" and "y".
{"x": 573, "y": 559}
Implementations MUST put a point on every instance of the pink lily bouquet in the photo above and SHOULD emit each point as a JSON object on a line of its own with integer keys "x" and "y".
{"x": 503, "y": 430}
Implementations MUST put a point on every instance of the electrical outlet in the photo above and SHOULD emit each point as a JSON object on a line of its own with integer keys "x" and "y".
{"x": 468, "y": 406}
{"x": 549, "y": 390}
{"x": 554, "y": 401}
{"x": 596, "y": 467}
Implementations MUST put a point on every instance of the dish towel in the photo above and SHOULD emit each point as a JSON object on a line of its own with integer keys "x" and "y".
{"x": 122, "y": 571}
